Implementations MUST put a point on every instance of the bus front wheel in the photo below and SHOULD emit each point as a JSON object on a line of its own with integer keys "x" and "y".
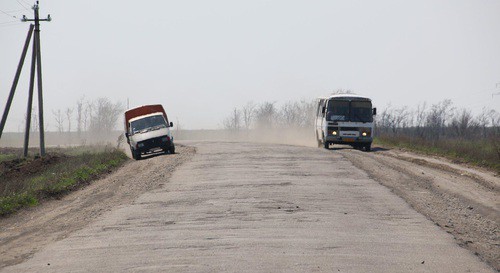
{"x": 326, "y": 145}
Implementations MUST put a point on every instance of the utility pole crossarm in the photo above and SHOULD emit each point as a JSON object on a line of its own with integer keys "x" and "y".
{"x": 26, "y": 19}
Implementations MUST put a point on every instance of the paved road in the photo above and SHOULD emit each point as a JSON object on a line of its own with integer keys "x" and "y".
{"x": 260, "y": 208}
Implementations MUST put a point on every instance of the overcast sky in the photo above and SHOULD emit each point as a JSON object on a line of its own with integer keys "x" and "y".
{"x": 202, "y": 58}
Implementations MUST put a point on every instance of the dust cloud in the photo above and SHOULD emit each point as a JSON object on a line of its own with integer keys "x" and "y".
{"x": 288, "y": 136}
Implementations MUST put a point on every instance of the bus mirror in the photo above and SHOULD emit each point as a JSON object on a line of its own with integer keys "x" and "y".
{"x": 323, "y": 109}
{"x": 374, "y": 111}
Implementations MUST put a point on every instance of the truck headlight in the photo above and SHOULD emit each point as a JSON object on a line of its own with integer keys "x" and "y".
{"x": 140, "y": 145}
{"x": 334, "y": 133}
{"x": 364, "y": 134}
{"x": 165, "y": 139}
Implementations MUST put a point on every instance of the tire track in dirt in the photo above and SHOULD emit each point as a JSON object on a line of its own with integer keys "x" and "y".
{"x": 461, "y": 201}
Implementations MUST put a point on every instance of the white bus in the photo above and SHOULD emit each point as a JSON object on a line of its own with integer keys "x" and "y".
{"x": 345, "y": 119}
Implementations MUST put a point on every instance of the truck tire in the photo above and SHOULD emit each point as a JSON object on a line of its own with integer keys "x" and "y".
{"x": 136, "y": 155}
{"x": 172, "y": 149}
{"x": 368, "y": 147}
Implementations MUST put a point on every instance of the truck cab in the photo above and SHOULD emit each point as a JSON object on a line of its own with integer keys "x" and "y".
{"x": 147, "y": 131}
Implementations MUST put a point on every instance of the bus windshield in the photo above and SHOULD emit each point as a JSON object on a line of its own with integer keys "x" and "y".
{"x": 354, "y": 111}
{"x": 147, "y": 124}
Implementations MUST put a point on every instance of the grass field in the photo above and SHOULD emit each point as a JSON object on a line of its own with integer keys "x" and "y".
{"x": 27, "y": 182}
{"x": 483, "y": 152}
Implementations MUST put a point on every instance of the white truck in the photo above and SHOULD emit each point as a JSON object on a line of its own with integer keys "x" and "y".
{"x": 345, "y": 119}
{"x": 147, "y": 130}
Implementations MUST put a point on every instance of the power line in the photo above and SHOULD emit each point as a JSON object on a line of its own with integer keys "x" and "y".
{"x": 10, "y": 15}
{"x": 22, "y": 4}
{"x": 10, "y": 24}
{"x": 17, "y": 10}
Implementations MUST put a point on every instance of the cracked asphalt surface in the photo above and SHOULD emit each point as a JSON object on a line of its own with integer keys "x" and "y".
{"x": 247, "y": 207}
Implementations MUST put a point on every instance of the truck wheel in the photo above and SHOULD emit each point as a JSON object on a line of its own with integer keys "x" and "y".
{"x": 368, "y": 147}
{"x": 136, "y": 155}
{"x": 172, "y": 149}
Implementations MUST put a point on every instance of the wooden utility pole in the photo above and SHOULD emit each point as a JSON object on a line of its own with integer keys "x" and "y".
{"x": 16, "y": 80}
{"x": 37, "y": 59}
{"x": 36, "y": 63}
{"x": 30, "y": 102}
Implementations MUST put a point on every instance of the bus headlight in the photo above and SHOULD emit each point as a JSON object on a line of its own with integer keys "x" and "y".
{"x": 363, "y": 134}
{"x": 334, "y": 133}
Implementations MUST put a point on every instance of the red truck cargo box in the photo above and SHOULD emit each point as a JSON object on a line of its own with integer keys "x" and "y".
{"x": 143, "y": 110}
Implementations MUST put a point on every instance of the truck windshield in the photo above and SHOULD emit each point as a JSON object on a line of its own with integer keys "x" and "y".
{"x": 354, "y": 111}
{"x": 147, "y": 124}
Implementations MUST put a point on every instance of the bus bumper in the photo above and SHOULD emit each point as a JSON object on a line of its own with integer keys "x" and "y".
{"x": 349, "y": 140}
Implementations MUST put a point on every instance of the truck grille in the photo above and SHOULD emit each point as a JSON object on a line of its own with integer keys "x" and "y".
{"x": 153, "y": 143}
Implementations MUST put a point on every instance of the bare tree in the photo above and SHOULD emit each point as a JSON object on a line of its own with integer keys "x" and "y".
{"x": 290, "y": 114}
{"x": 248, "y": 112}
{"x": 79, "y": 115}
{"x": 420, "y": 118}
{"x": 265, "y": 115}
{"x": 59, "y": 118}
{"x": 386, "y": 121}
{"x": 463, "y": 123}
{"x": 437, "y": 118}
{"x": 233, "y": 122}
{"x": 87, "y": 115}
{"x": 308, "y": 113}
{"x": 105, "y": 115}
{"x": 69, "y": 114}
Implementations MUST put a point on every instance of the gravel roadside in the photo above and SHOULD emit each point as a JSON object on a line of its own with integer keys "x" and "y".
{"x": 26, "y": 232}
{"x": 463, "y": 201}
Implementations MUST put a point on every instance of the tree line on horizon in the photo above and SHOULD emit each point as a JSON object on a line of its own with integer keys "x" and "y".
{"x": 439, "y": 120}
{"x": 98, "y": 116}
{"x": 267, "y": 115}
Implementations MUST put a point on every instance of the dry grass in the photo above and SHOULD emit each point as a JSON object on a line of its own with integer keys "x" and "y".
{"x": 481, "y": 152}
{"x": 25, "y": 182}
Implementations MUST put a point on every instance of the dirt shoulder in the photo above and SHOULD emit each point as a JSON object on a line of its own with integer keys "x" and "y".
{"x": 26, "y": 232}
{"x": 463, "y": 201}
